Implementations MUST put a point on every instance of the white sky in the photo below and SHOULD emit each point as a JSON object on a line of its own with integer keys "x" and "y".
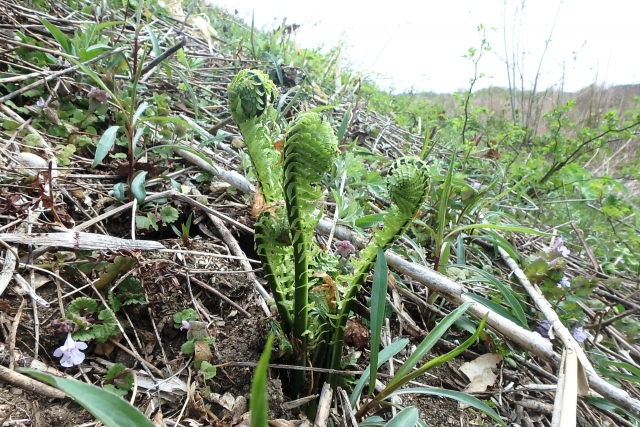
{"x": 420, "y": 44}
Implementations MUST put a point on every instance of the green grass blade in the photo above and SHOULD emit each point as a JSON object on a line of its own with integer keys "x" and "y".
{"x": 440, "y": 360}
{"x": 514, "y": 228}
{"x": 378, "y": 298}
{"x": 428, "y": 343}
{"x": 384, "y": 356}
{"x": 493, "y": 237}
{"x": 111, "y": 410}
{"x": 259, "y": 404}
{"x": 495, "y": 307}
{"x": 65, "y": 42}
{"x": 457, "y": 395}
{"x": 345, "y": 123}
{"x": 516, "y": 307}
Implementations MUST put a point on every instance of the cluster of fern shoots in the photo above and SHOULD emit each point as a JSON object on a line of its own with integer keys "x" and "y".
{"x": 312, "y": 297}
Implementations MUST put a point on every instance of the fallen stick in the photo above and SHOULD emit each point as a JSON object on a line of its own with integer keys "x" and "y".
{"x": 28, "y": 384}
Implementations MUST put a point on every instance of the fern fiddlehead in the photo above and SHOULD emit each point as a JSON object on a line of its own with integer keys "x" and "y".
{"x": 250, "y": 95}
{"x": 309, "y": 149}
{"x": 408, "y": 186}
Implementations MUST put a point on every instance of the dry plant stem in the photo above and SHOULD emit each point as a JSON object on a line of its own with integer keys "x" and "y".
{"x": 346, "y": 406}
{"x": 218, "y": 294}
{"x": 235, "y": 249}
{"x": 28, "y": 384}
{"x": 14, "y": 332}
{"x": 80, "y": 240}
{"x": 8, "y": 267}
{"x": 324, "y": 406}
{"x": 587, "y": 248}
{"x": 232, "y": 177}
{"x": 549, "y": 313}
{"x": 570, "y": 392}
{"x": 161, "y": 195}
{"x": 557, "y": 404}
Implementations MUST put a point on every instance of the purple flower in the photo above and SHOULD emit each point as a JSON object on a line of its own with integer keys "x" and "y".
{"x": 98, "y": 95}
{"x": 185, "y": 325}
{"x": 62, "y": 326}
{"x": 344, "y": 248}
{"x": 564, "y": 282}
{"x": 558, "y": 245}
{"x": 70, "y": 352}
{"x": 40, "y": 103}
{"x": 544, "y": 328}
{"x": 579, "y": 334}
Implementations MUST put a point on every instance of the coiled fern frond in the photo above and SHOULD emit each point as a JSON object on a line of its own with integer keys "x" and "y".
{"x": 408, "y": 183}
{"x": 408, "y": 186}
{"x": 250, "y": 93}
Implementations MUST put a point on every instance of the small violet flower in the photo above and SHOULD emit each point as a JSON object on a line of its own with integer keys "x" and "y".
{"x": 185, "y": 325}
{"x": 344, "y": 248}
{"x": 558, "y": 245}
{"x": 564, "y": 282}
{"x": 40, "y": 103}
{"x": 62, "y": 326}
{"x": 579, "y": 334}
{"x": 544, "y": 328}
{"x": 70, "y": 352}
{"x": 98, "y": 95}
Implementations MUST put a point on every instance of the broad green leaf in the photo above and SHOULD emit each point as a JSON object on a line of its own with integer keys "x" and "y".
{"x": 120, "y": 265}
{"x": 384, "y": 356}
{"x": 623, "y": 365}
{"x": 369, "y": 221}
{"x": 111, "y": 410}
{"x": 621, "y": 375}
{"x": 460, "y": 250}
{"x": 105, "y": 144}
{"x": 457, "y": 395}
{"x": 169, "y": 214}
{"x": 493, "y": 237}
{"x": 378, "y": 298}
{"x": 408, "y": 417}
{"x": 118, "y": 191}
{"x": 137, "y": 187}
{"x": 259, "y": 404}
{"x": 92, "y": 51}
{"x": 192, "y": 94}
{"x": 429, "y": 342}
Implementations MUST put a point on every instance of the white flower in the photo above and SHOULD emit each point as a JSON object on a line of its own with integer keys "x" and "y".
{"x": 70, "y": 352}
{"x": 564, "y": 282}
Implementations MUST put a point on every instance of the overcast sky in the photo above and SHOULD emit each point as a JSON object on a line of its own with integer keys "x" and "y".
{"x": 419, "y": 44}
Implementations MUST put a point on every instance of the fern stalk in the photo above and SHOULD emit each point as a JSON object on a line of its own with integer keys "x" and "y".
{"x": 309, "y": 149}
{"x": 408, "y": 185}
